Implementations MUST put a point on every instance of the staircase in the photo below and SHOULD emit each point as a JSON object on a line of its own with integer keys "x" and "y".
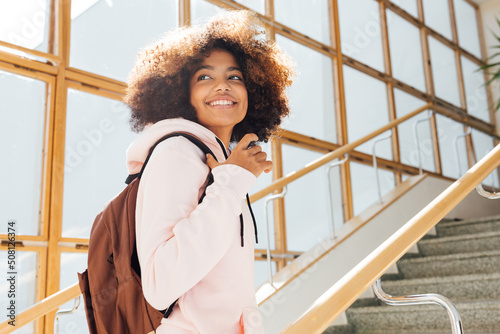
{"x": 462, "y": 263}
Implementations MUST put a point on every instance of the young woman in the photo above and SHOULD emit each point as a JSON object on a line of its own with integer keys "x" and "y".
{"x": 222, "y": 83}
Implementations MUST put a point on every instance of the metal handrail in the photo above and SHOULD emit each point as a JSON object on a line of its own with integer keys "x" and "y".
{"x": 479, "y": 189}
{"x": 489, "y": 195}
{"x": 417, "y": 142}
{"x": 268, "y": 250}
{"x": 483, "y": 192}
{"x": 76, "y": 305}
{"x": 430, "y": 298}
{"x": 330, "y": 196}
{"x": 281, "y": 182}
{"x": 375, "y": 167}
{"x": 457, "y": 153}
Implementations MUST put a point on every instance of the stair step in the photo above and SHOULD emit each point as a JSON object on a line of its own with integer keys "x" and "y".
{"x": 476, "y": 317}
{"x": 451, "y": 265}
{"x": 457, "y": 288}
{"x": 469, "y": 226}
{"x": 479, "y": 242}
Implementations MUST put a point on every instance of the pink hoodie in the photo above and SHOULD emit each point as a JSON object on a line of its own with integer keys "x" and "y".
{"x": 188, "y": 250}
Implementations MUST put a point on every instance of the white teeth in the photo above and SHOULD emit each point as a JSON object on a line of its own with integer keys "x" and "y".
{"x": 221, "y": 103}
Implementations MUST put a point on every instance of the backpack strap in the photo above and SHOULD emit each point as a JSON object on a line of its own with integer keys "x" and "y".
{"x": 188, "y": 136}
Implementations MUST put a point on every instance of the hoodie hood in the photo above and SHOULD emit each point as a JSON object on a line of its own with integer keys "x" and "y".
{"x": 139, "y": 148}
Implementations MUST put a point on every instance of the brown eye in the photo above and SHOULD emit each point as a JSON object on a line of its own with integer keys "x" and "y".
{"x": 203, "y": 77}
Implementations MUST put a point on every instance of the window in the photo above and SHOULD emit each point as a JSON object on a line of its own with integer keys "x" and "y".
{"x": 106, "y": 35}
{"x": 361, "y": 32}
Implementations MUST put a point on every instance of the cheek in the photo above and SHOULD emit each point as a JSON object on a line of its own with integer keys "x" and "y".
{"x": 195, "y": 97}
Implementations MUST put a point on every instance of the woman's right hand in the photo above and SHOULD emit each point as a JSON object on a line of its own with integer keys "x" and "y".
{"x": 252, "y": 158}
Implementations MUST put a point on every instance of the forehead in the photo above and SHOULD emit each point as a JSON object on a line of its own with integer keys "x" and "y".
{"x": 220, "y": 58}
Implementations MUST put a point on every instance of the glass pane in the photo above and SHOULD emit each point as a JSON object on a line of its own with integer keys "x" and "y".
{"x": 360, "y": 32}
{"x": 483, "y": 144}
{"x": 201, "y": 11}
{"x": 22, "y": 285}
{"x": 311, "y": 95}
{"x": 366, "y": 104}
{"x": 307, "y": 17}
{"x": 409, "y": 150}
{"x": 26, "y": 23}
{"x": 97, "y": 135}
{"x": 468, "y": 35}
{"x": 71, "y": 264}
{"x": 22, "y": 135}
{"x": 408, "y": 5}
{"x": 406, "y": 51}
{"x": 448, "y": 131}
{"x": 107, "y": 35}
{"x": 437, "y": 16}
{"x": 364, "y": 185}
{"x": 306, "y": 202}
{"x": 444, "y": 71}
{"x": 475, "y": 91}
{"x": 256, "y": 5}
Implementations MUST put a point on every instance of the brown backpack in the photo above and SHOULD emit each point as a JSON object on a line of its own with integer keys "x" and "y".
{"x": 111, "y": 285}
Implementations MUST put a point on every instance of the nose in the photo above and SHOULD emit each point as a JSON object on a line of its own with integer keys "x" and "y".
{"x": 222, "y": 86}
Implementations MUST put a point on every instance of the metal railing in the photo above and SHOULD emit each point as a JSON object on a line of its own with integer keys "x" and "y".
{"x": 375, "y": 167}
{"x": 480, "y": 189}
{"x": 417, "y": 141}
{"x": 268, "y": 239}
{"x": 330, "y": 190}
{"x": 423, "y": 299}
{"x": 58, "y": 315}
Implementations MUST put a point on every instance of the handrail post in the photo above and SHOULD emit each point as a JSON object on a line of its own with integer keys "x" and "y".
{"x": 479, "y": 189}
{"x": 375, "y": 167}
{"x": 330, "y": 196}
{"x": 483, "y": 192}
{"x": 76, "y": 305}
{"x": 417, "y": 142}
{"x": 430, "y": 298}
{"x": 457, "y": 153}
{"x": 268, "y": 250}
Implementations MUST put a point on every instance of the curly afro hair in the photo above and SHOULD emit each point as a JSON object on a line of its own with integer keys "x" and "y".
{"x": 158, "y": 86}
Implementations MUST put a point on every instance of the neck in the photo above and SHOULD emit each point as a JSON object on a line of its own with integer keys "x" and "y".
{"x": 223, "y": 134}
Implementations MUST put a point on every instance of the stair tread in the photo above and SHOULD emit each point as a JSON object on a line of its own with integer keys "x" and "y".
{"x": 460, "y": 237}
{"x": 470, "y": 226}
{"x": 470, "y": 305}
{"x": 442, "y": 279}
{"x": 447, "y": 257}
{"x": 449, "y": 223}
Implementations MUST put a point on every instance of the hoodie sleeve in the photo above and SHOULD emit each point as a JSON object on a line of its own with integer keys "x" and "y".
{"x": 179, "y": 241}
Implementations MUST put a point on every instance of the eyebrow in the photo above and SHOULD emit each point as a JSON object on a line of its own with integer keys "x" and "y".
{"x": 211, "y": 68}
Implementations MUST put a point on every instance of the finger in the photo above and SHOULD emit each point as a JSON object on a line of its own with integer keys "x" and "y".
{"x": 269, "y": 166}
{"x": 261, "y": 156}
{"x": 211, "y": 162}
{"x": 255, "y": 149}
{"x": 246, "y": 140}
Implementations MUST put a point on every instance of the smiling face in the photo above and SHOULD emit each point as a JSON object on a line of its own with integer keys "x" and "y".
{"x": 218, "y": 94}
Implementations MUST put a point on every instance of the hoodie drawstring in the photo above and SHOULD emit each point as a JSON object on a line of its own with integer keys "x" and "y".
{"x": 242, "y": 227}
